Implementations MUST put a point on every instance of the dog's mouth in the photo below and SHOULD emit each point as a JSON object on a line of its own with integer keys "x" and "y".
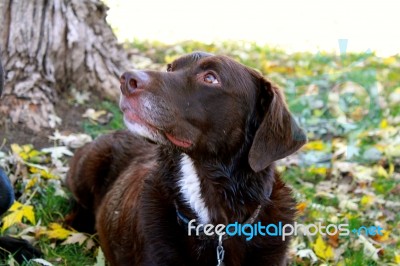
{"x": 140, "y": 126}
{"x": 183, "y": 143}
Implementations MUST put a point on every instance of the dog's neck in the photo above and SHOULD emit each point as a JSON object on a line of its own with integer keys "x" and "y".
{"x": 222, "y": 193}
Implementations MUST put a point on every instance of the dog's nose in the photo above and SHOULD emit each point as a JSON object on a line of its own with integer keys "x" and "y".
{"x": 133, "y": 80}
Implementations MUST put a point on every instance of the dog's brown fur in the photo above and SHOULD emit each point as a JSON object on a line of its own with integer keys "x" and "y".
{"x": 231, "y": 123}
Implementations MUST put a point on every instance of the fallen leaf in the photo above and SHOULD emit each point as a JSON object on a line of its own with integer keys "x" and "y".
{"x": 317, "y": 145}
{"x": 333, "y": 240}
{"x": 383, "y": 124}
{"x": 397, "y": 258}
{"x": 367, "y": 200}
{"x": 56, "y": 231}
{"x": 58, "y": 152}
{"x": 308, "y": 254}
{"x": 42, "y": 262}
{"x": 80, "y": 96}
{"x": 74, "y": 238}
{"x": 323, "y": 250}
{"x": 318, "y": 170}
{"x": 101, "y": 116}
{"x": 18, "y": 211}
{"x": 301, "y": 207}
{"x": 100, "y": 259}
{"x": 32, "y": 182}
{"x": 72, "y": 140}
{"x": 349, "y": 204}
{"x": 368, "y": 247}
{"x": 382, "y": 238}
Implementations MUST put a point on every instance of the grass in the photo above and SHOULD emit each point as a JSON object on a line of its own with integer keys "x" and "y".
{"x": 349, "y": 172}
{"x": 94, "y": 129}
{"x": 49, "y": 206}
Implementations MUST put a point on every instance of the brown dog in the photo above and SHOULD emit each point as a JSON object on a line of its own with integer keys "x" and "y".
{"x": 205, "y": 137}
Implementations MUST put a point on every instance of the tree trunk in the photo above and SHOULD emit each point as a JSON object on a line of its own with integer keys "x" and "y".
{"x": 50, "y": 46}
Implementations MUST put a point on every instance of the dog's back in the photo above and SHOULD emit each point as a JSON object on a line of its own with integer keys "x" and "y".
{"x": 94, "y": 169}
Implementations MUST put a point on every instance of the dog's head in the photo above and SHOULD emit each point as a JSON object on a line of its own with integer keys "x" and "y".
{"x": 211, "y": 106}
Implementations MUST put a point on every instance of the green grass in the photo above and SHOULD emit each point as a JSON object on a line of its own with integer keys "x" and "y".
{"x": 49, "y": 206}
{"x": 94, "y": 129}
{"x": 68, "y": 255}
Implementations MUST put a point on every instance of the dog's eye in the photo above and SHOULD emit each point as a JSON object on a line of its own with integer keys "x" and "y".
{"x": 211, "y": 78}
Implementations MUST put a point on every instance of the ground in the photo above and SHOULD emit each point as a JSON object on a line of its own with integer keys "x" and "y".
{"x": 70, "y": 114}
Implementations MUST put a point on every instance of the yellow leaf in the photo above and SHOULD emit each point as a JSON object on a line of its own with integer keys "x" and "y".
{"x": 43, "y": 173}
{"x": 29, "y": 214}
{"x": 47, "y": 175}
{"x": 367, "y": 200}
{"x": 27, "y": 148}
{"x": 11, "y": 219}
{"x": 384, "y": 123}
{"x": 15, "y": 148}
{"x": 322, "y": 249}
{"x": 24, "y": 153}
{"x": 391, "y": 169}
{"x": 397, "y": 258}
{"x": 382, "y": 238}
{"x": 301, "y": 207}
{"x": 382, "y": 172}
{"x": 318, "y": 170}
{"x": 380, "y": 147}
{"x": 315, "y": 145}
{"x": 16, "y": 205}
{"x": 34, "y": 153}
{"x": 34, "y": 170}
{"x": 389, "y": 60}
{"x": 56, "y": 231}
{"x": 31, "y": 183}
{"x": 21, "y": 151}
{"x": 17, "y": 213}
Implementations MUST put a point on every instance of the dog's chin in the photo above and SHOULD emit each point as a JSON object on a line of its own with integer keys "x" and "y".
{"x": 141, "y": 127}
{"x": 144, "y": 131}
{"x": 154, "y": 135}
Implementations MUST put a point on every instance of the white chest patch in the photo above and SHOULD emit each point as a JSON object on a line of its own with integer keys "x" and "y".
{"x": 190, "y": 188}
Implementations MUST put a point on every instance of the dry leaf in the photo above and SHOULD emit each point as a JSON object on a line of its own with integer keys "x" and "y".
{"x": 74, "y": 238}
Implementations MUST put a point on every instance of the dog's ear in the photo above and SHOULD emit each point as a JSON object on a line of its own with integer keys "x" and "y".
{"x": 278, "y": 134}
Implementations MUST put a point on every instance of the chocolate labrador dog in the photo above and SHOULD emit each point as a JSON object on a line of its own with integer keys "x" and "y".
{"x": 199, "y": 155}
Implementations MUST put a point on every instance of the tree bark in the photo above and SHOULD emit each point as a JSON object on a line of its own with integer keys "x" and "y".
{"x": 50, "y": 46}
